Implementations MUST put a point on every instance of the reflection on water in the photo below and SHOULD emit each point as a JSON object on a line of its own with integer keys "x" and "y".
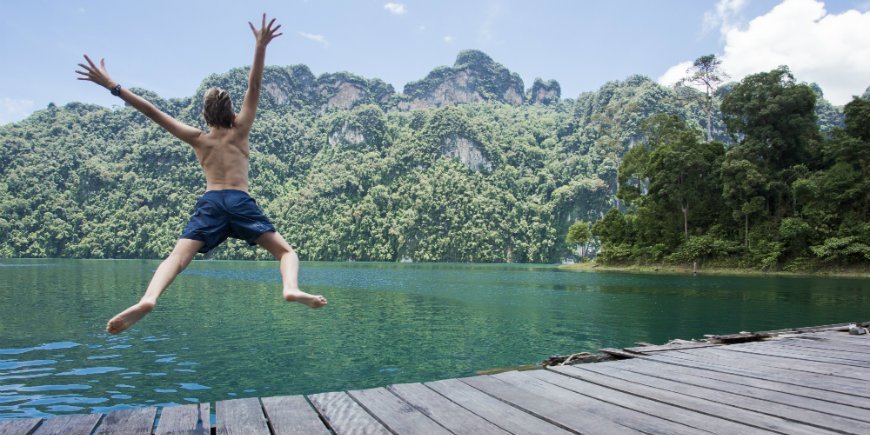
{"x": 223, "y": 331}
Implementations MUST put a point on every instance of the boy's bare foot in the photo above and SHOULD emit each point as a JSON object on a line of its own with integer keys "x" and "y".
{"x": 128, "y": 317}
{"x": 296, "y": 295}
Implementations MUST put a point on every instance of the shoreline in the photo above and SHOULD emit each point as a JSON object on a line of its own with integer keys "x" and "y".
{"x": 672, "y": 269}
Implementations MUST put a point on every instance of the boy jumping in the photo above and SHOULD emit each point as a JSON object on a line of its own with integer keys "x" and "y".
{"x": 226, "y": 209}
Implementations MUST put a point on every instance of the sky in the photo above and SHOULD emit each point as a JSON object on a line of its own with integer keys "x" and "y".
{"x": 169, "y": 47}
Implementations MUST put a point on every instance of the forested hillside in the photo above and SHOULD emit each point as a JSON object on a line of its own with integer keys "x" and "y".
{"x": 781, "y": 195}
{"x": 463, "y": 165}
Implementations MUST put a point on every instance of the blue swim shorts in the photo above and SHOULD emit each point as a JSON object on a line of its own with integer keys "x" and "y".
{"x": 226, "y": 213}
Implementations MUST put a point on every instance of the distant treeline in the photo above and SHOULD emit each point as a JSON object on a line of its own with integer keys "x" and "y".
{"x": 346, "y": 173}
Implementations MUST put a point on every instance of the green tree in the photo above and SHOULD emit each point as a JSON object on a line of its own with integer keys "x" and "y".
{"x": 706, "y": 72}
{"x": 742, "y": 189}
{"x": 579, "y": 235}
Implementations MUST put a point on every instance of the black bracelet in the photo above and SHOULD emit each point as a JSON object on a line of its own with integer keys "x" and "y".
{"x": 116, "y": 91}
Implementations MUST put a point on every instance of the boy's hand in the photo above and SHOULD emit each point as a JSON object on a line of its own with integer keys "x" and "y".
{"x": 266, "y": 32}
{"x": 97, "y": 75}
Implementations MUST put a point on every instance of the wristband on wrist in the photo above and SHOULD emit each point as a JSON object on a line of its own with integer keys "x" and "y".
{"x": 116, "y": 91}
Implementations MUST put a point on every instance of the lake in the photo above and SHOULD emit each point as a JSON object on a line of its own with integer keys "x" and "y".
{"x": 222, "y": 330}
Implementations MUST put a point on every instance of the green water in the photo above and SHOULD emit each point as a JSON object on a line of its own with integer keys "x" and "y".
{"x": 222, "y": 330}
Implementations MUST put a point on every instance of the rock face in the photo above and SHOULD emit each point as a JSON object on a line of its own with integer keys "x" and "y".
{"x": 346, "y": 91}
{"x": 474, "y": 77}
{"x": 866, "y": 95}
{"x": 455, "y": 146}
{"x": 296, "y": 87}
{"x": 346, "y": 135}
{"x": 545, "y": 92}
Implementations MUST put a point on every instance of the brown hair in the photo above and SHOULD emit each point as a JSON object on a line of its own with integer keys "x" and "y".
{"x": 217, "y": 108}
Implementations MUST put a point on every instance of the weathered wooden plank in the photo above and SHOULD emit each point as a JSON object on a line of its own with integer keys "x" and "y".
{"x": 185, "y": 419}
{"x": 617, "y": 353}
{"x": 844, "y": 337}
{"x": 669, "y": 347}
{"x": 511, "y": 419}
{"x": 823, "y": 349}
{"x": 742, "y": 368}
{"x": 560, "y": 414}
{"x": 768, "y": 384}
{"x": 752, "y": 418}
{"x": 240, "y": 416}
{"x": 450, "y": 415}
{"x": 858, "y": 358}
{"x": 19, "y": 426}
{"x": 82, "y": 424}
{"x": 396, "y": 414}
{"x": 136, "y": 421}
{"x": 293, "y": 415}
{"x": 805, "y": 416}
{"x": 778, "y": 351}
{"x": 345, "y": 416}
{"x": 625, "y": 416}
{"x": 684, "y": 376}
{"x": 666, "y": 411}
{"x": 826, "y": 345}
{"x": 784, "y": 363}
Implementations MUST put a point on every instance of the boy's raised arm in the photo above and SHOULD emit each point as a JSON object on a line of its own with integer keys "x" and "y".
{"x": 101, "y": 77}
{"x": 263, "y": 36}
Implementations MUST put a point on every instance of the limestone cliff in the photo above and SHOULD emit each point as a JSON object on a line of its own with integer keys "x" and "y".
{"x": 346, "y": 91}
{"x": 464, "y": 149}
{"x": 295, "y": 87}
{"x": 474, "y": 77}
{"x": 545, "y": 92}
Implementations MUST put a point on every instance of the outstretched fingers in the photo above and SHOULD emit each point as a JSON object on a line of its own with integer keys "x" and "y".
{"x": 90, "y": 62}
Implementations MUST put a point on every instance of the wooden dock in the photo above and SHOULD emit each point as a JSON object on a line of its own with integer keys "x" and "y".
{"x": 807, "y": 383}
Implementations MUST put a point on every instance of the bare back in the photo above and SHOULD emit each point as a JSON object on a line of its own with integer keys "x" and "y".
{"x": 223, "y": 154}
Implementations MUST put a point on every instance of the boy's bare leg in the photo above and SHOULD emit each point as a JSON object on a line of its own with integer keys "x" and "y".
{"x": 289, "y": 264}
{"x": 180, "y": 257}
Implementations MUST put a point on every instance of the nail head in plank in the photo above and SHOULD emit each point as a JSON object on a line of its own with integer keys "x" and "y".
{"x": 136, "y": 421}
{"x": 185, "y": 419}
{"x": 492, "y": 409}
{"x": 293, "y": 415}
{"x": 345, "y": 416}
{"x": 240, "y": 416}
{"x": 16, "y": 426}
{"x": 396, "y": 414}
{"x": 450, "y": 415}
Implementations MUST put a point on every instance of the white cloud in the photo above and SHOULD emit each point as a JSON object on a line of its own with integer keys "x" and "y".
{"x": 675, "y": 73}
{"x": 12, "y": 109}
{"x": 832, "y": 50}
{"x": 449, "y": 39}
{"x": 725, "y": 16}
{"x": 320, "y": 39}
{"x": 395, "y": 8}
